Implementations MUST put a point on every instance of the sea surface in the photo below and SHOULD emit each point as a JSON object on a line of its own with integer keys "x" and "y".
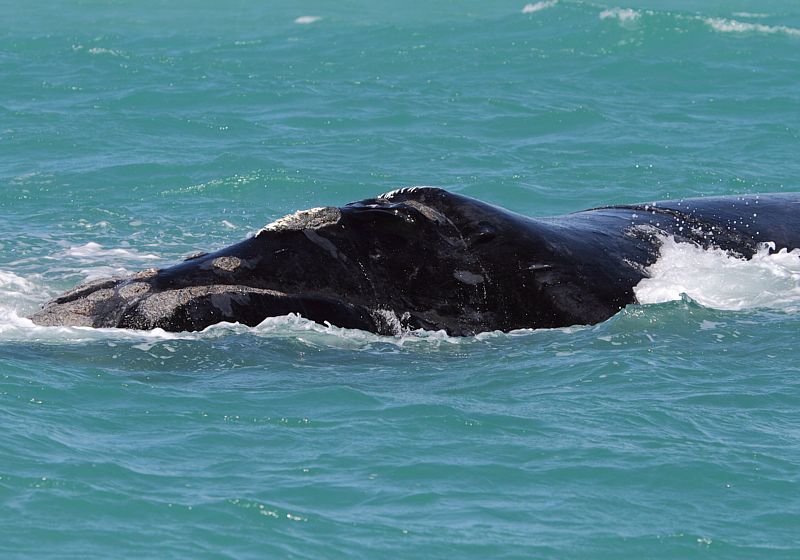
{"x": 133, "y": 133}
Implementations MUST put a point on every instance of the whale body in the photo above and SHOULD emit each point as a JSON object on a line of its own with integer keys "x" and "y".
{"x": 426, "y": 258}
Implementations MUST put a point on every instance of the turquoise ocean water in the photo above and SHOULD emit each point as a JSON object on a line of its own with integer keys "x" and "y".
{"x": 135, "y": 133}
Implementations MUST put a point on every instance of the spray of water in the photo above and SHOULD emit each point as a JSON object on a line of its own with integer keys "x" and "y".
{"x": 715, "y": 279}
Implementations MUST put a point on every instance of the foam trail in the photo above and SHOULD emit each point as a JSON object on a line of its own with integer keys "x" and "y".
{"x": 624, "y": 15}
{"x": 97, "y": 272}
{"x": 17, "y": 295}
{"x": 98, "y": 262}
{"x": 538, "y": 6}
{"x": 306, "y": 20}
{"x": 724, "y": 25}
{"x": 12, "y": 285}
{"x": 751, "y": 15}
{"x": 94, "y": 250}
{"x": 715, "y": 279}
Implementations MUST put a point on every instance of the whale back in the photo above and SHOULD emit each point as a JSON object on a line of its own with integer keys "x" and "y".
{"x": 505, "y": 270}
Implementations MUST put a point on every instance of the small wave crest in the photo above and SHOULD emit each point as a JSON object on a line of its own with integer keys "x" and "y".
{"x": 14, "y": 327}
{"x": 538, "y": 6}
{"x": 95, "y": 261}
{"x": 624, "y": 15}
{"x": 97, "y": 50}
{"x": 725, "y": 25}
{"x": 751, "y": 15}
{"x": 93, "y": 250}
{"x": 630, "y": 18}
{"x": 18, "y": 295}
{"x": 306, "y": 20}
{"x": 713, "y": 278}
{"x": 12, "y": 285}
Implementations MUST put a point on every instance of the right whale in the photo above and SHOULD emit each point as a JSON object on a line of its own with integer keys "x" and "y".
{"x": 426, "y": 258}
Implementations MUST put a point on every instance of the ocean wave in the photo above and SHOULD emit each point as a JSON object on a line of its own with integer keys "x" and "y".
{"x": 11, "y": 284}
{"x": 538, "y": 6}
{"x": 627, "y": 17}
{"x": 93, "y": 250}
{"x": 624, "y": 15}
{"x": 98, "y": 50}
{"x": 750, "y": 15}
{"x": 97, "y": 272}
{"x": 19, "y": 295}
{"x": 724, "y": 25}
{"x": 306, "y": 20}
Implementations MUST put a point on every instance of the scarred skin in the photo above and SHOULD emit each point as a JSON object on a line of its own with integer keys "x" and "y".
{"x": 426, "y": 258}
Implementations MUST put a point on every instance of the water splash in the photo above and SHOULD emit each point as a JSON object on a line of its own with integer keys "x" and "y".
{"x": 713, "y": 278}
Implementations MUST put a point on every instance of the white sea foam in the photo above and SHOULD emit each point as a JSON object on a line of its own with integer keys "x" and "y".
{"x": 11, "y": 284}
{"x": 96, "y": 272}
{"x": 96, "y": 50}
{"x": 750, "y": 15}
{"x": 17, "y": 327}
{"x": 305, "y": 20}
{"x": 102, "y": 50}
{"x": 17, "y": 292}
{"x": 624, "y": 15}
{"x": 538, "y": 6}
{"x": 18, "y": 295}
{"x": 307, "y": 331}
{"x": 724, "y": 25}
{"x": 21, "y": 296}
{"x": 714, "y": 278}
{"x": 14, "y": 326}
{"x": 95, "y": 251}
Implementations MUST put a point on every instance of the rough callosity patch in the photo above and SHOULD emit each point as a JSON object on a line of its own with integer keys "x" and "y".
{"x": 134, "y": 289}
{"x": 100, "y": 295}
{"x": 79, "y": 311}
{"x": 314, "y": 218}
{"x": 82, "y": 290}
{"x": 163, "y": 305}
{"x": 227, "y": 263}
{"x": 76, "y": 314}
{"x": 145, "y": 274}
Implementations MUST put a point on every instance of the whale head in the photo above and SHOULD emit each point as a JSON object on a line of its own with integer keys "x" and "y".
{"x": 412, "y": 258}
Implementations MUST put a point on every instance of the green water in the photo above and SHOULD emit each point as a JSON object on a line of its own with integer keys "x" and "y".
{"x": 135, "y": 133}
